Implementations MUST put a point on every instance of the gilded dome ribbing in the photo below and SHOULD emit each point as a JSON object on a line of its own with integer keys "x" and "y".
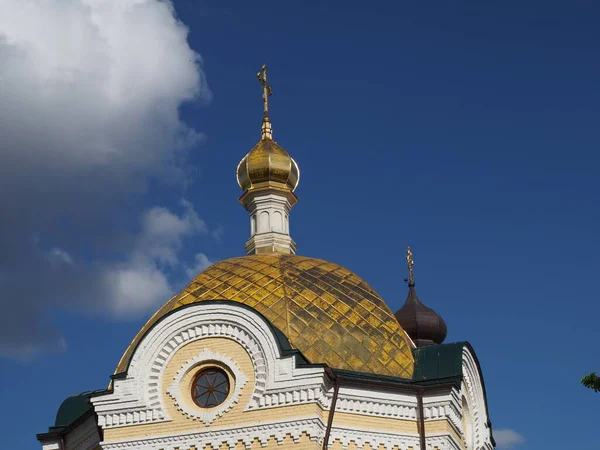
{"x": 268, "y": 164}
{"x": 326, "y": 311}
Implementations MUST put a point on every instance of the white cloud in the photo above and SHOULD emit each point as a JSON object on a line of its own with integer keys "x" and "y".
{"x": 136, "y": 287}
{"x": 202, "y": 262}
{"x": 140, "y": 284}
{"x": 162, "y": 233}
{"x": 506, "y": 438}
{"x": 57, "y": 257}
{"x": 218, "y": 233}
{"x": 90, "y": 92}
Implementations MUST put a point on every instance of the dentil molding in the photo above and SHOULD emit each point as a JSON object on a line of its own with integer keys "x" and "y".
{"x": 476, "y": 400}
{"x": 313, "y": 428}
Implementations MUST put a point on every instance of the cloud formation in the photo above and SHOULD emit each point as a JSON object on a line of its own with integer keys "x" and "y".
{"x": 140, "y": 283}
{"x": 201, "y": 263}
{"x": 89, "y": 98}
{"x": 507, "y": 438}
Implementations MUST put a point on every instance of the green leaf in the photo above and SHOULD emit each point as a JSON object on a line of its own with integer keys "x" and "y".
{"x": 591, "y": 381}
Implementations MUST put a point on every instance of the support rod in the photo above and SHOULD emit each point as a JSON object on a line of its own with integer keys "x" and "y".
{"x": 336, "y": 388}
{"x": 421, "y": 418}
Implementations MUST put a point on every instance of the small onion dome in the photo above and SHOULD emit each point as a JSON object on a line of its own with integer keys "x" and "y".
{"x": 268, "y": 164}
{"x": 423, "y": 324}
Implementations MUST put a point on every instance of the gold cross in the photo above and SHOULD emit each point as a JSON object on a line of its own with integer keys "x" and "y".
{"x": 411, "y": 263}
{"x": 267, "y": 91}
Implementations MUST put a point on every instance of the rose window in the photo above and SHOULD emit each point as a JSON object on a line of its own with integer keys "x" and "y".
{"x": 210, "y": 387}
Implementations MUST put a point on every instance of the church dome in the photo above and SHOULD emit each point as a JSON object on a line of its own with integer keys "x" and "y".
{"x": 327, "y": 312}
{"x": 423, "y": 324}
{"x": 268, "y": 164}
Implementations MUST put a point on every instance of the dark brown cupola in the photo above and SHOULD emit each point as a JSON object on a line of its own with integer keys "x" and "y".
{"x": 423, "y": 324}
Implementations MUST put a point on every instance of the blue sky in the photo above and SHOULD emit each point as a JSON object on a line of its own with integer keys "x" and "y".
{"x": 467, "y": 130}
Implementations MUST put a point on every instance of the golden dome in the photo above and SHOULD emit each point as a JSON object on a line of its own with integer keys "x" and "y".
{"x": 326, "y": 311}
{"x": 268, "y": 164}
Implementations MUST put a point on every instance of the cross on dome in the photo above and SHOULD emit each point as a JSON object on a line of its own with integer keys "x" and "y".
{"x": 267, "y": 90}
{"x": 266, "y": 129}
{"x": 410, "y": 262}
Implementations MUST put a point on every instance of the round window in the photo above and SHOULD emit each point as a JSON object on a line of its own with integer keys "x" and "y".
{"x": 210, "y": 387}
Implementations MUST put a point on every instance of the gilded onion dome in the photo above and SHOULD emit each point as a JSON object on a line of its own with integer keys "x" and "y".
{"x": 268, "y": 164}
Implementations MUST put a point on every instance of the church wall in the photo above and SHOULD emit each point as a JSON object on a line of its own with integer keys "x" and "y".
{"x": 375, "y": 423}
{"x": 278, "y": 403}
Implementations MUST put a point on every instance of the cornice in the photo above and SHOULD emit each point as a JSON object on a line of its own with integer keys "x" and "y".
{"x": 313, "y": 428}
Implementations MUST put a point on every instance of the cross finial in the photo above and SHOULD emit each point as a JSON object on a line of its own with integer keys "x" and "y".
{"x": 410, "y": 262}
{"x": 267, "y": 91}
{"x": 266, "y": 130}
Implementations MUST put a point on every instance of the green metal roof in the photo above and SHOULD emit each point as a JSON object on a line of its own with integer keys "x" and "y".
{"x": 439, "y": 363}
{"x": 72, "y": 408}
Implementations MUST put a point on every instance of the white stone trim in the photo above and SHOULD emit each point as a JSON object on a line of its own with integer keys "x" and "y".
{"x": 208, "y": 415}
{"x": 442, "y": 442}
{"x": 51, "y": 444}
{"x": 137, "y": 398}
{"x": 374, "y": 438}
{"x": 473, "y": 391}
{"x": 454, "y": 410}
{"x": 377, "y": 403}
{"x": 84, "y": 437}
{"x": 314, "y": 428}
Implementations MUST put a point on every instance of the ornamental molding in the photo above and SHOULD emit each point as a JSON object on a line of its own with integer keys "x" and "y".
{"x": 89, "y": 442}
{"x": 442, "y": 442}
{"x": 375, "y": 439}
{"x": 51, "y": 444}
{"x": 437, "y": 406}
{"x": 138, "y": 398}
{"x": 84, "y": 437}
{"x": 207, "y": 415}
{"x": 375, "y": 403}
{"x": 444, "y": 406}
{"x": 361, "y": 437}
{"x": 473, "y": 392}
{"x": 314, "y": 428}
